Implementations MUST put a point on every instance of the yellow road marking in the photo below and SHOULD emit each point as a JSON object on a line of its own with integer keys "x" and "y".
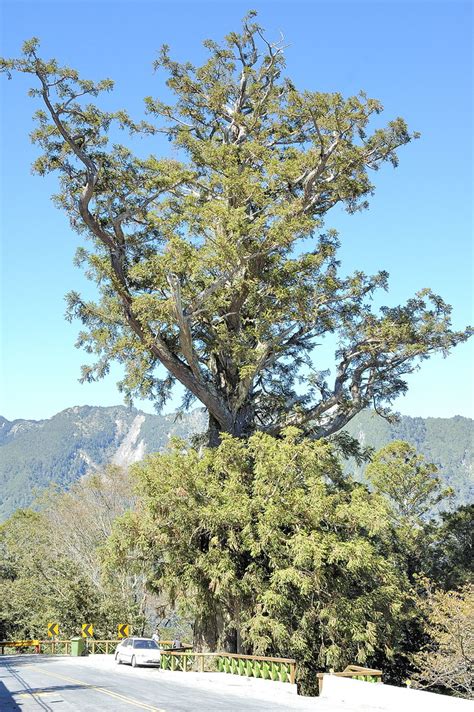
{"x": 117, "y": 695}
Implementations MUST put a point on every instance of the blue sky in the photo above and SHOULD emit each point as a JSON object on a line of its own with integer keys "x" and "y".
{"x": 416, "y": 57}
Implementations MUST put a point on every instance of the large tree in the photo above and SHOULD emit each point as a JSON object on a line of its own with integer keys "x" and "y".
{"x": 214, "y": 264}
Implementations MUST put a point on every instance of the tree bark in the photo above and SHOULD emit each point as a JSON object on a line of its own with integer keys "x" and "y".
{"x": 211, "y": 634}
{"x": 243, "y": 425}
{"x": 207, "y": 631}
{"x": 213, "y": 435}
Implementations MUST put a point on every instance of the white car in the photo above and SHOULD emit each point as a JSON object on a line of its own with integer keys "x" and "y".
{"x": 137, "y": 651}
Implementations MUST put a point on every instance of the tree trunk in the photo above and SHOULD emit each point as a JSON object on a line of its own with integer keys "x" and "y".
{"x": 213, "y": 434}
{"x": 243, "y": 426}
{"x": 230, "y": 641}
{"x": 206, "y": 632}
{"x": 244, "y": 421}
{"x": 210, "y": 633}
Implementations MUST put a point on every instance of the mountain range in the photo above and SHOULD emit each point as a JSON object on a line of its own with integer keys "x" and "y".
{"x": 63, "y": 448}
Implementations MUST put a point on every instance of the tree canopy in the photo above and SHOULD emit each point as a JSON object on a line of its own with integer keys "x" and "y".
{"x": 266, "y": 546}
{"x": 409, "y": 482}
{"x": 215, "y": 263}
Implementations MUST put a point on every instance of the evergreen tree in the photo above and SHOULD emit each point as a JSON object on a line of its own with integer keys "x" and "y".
{"x": 410, "y": 484}
{"x": 215, "y": 264}
{"x": 270, "y": 550}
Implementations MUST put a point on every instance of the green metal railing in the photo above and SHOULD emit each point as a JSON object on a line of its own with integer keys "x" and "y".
{"x": 266, "y": 668}
{"x": 105, "y": 647}
{"x": 55, "y": 647}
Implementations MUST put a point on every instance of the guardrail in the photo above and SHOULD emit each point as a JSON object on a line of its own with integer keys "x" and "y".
{"x": 355, "y": 672}
{"x": 20, "y": 644}
{"x": 267, "y": 668}
{"x": 95, "y": 647}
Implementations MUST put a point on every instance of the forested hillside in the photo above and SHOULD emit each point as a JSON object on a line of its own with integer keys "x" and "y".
{"x": 447, "y": 442}
{"x": 75, "y": 441}
{"x": 80, "y": 439}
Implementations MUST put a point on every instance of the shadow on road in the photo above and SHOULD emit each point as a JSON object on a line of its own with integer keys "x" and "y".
{"x": 7, "y": 701}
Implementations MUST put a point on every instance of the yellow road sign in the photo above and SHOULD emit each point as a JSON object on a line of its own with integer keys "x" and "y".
{"x": 87, "y": 630}
{"x": 123, "y": 630}
{"x": 53, "y": 629}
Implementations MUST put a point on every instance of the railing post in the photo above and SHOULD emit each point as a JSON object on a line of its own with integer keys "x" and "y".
{"x": 292, "y": 673}
{"x": 201, "y": 663}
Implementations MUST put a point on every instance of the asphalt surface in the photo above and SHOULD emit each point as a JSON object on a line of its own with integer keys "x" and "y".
{"x": 40, "y": 682}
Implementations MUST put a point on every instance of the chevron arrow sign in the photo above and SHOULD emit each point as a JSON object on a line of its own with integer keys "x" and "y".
{"x": 87, "y": 630}
{"x": 53, "y": 629}
{"x": 123, "y": 630}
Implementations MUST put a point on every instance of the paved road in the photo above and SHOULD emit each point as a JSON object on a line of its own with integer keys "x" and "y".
{"x": 30, "y": 683}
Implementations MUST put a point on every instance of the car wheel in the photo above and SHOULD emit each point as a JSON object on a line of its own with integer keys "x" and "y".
{"x": 134, "y": 661}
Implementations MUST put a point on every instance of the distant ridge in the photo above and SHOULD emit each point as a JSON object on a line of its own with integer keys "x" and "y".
{"x": 34, "y": 453}
{"x": 61, "y": 449}
{"x": 448, "y": 442}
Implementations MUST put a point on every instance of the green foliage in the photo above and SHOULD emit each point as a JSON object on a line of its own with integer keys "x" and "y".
{"x": 36, "y": 586}
{"x": 446, "y": 662}
{"x": 263, "y": 543}
{"x": 450, "y": 555}
{"x": 214, "y": 263}
{"x": 264, "y": 535}
{"x": 410, "y": 483}
{"x": 52, "y": 564}
{"x": 446, "y": 442}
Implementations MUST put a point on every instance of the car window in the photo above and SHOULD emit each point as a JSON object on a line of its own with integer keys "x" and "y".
{"x": 146, "y": 644}
{"x": 125, "y": 642}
